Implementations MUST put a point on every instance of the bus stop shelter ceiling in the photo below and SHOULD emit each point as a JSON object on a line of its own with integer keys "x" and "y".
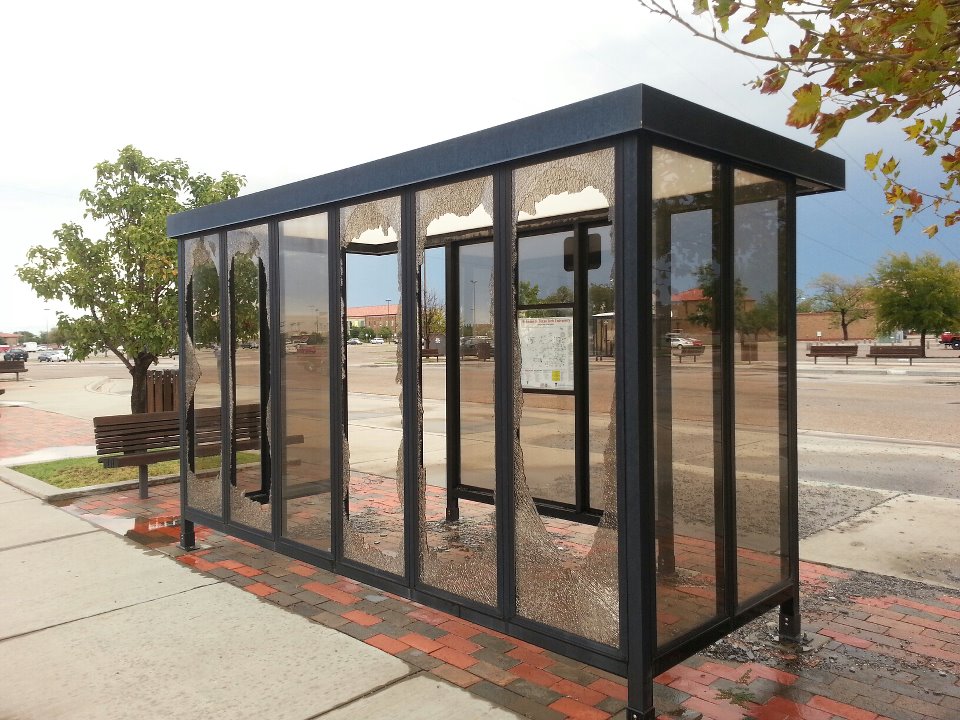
{"x": 541, "y": 376}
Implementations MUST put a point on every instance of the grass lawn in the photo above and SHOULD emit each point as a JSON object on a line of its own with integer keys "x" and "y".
{"x": 81, "y": 472}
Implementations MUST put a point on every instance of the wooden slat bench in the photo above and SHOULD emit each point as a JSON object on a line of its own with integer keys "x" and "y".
{"x": 844, "y": 351}
{"x": 429, "y": 353}
{"x": 13, "y": 366}
{"x": 693, "y": 351}
{"x": 147, "y": 438}
{"x": 908, "y": 352}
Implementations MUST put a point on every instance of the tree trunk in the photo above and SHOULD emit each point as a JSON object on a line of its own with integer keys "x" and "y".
{"x": 138, "y": 395}
{"x": 844, "y": 324}
{"x": 923, "y": 343}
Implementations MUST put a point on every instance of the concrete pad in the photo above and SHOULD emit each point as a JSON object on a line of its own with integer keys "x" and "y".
{"x": 909, "y": 536}
{"x": 213, "y": 652}
{"x": 421, "y": 698}
{"x": 63, "y": 580}
{"x": 48, "y": 454}
{"x": 30, "y": 521}
{"x": 11, "y": 494}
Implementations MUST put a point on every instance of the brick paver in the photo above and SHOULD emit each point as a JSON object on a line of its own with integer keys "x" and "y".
{"x": 26, "y": 430}
{"x": 871, "y": 657}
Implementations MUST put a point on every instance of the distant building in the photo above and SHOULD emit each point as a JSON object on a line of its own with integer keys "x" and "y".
{"x": 374, "y": 317}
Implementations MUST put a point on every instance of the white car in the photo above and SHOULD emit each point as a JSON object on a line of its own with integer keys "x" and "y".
{"x": 377, "y": 341}
{"x": 59, "y": 356}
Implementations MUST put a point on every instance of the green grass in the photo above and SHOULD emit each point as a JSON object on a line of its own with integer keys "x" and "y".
{"x": 81, "y": 472}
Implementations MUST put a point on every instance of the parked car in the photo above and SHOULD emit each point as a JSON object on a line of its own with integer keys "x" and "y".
{"x": 377, "y": 341}
{"x": 44, "y": 356}
{"x": 952, "y": 339}
{"x": 16, "y": 354}
{"x": 682, "y": 341}
{"x": 59, "y": 356}
{"x": 354, "y": 341}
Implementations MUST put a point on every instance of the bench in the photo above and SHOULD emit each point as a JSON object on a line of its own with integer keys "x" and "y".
{"x": 144, "y": 439}
{"x": 844, "y": 351}
{"x": 895, "y": 351}
{"x": 693, "y": 351}
{"x": 13, "y": 366}
{"x": 429, "y": 353}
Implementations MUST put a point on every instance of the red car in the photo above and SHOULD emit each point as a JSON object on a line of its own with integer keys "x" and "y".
{"x": 952, "y": 339}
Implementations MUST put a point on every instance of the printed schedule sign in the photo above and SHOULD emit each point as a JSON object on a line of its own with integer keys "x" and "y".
{"x": 546, "y": 353}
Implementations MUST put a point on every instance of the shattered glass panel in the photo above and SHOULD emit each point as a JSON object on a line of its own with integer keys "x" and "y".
{"x": 686, "y": 391}
{"x": 457, "y": 536}
{"x": 305, "y": 334}
{"x": 249, "y": 377}
{"x": 577, "y": 560}
{"x": 202, "y": 381}
{"x": 373, "y": 442}
{"x": 760, "y": 377}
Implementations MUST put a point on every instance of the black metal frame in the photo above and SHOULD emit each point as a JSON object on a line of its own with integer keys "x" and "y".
{"x": 631, "y": 121}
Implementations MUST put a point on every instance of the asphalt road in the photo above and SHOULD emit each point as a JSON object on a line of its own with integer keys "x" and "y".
{"x": 886, "y": 432}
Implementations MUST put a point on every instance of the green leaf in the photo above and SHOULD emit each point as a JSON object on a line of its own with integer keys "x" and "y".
{"x": 756, "y": 34}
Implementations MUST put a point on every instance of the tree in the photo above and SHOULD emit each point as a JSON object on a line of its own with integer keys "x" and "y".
{"x": 848, "y": 299}
{"x": 433, "y": 313}
{"x": 921, "y": 295}
{"x": 877, "y": 59}
{"x": 27, "y": 336}
{"x": 124, "y": 283}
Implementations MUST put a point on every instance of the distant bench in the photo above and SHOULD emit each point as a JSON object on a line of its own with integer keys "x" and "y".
{"x": 844, "y": 351}
{"x": 13, "y": 366}
{"x": 429, "y": 353}
{"x": 143, "y": 439}
{"x": 693, "y": 351}
{"x": 895, "y": 351}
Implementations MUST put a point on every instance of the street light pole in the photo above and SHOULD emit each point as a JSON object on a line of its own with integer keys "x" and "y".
{"x": 473, "y": 325}
{"x": 387, "y": 321}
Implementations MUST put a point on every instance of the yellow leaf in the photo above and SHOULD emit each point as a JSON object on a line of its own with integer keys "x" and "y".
{"x": 871, "y": 160}
{"x": 931, "y": 230}
{"x": 807, "y": 106}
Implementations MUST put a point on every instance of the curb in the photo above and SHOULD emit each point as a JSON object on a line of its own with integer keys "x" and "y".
{"x": 49, "y": 493}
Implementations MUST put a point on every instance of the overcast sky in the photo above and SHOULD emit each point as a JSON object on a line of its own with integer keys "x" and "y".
{"x": 283, "y": 91}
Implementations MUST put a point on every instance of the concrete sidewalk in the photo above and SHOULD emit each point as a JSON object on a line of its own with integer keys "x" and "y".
{"x": 103, "y": 616}
{"x": 95, "y": 626}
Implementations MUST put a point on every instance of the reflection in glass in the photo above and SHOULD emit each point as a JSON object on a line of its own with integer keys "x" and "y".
{"x": 545, "y": 269}
{"x": 250, "y": 478}
{"x": 686, "y": 395}
{"x": 573, "y": 557}
{"x": 305, "y": 332}
{"x": 760, "y": 375}
{"x": 477, "y": 446}
{"x": 457, "y": 536}
{"x": 601, "y": 368}
{"x": 202, "y": 363}
{"x": 373, "y": 445}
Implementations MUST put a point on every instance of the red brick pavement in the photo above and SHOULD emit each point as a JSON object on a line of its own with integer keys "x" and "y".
{"x": 880, "y": 656}
{"x": 26, "y": 429}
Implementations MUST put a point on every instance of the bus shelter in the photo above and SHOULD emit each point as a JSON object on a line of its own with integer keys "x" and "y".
{"x": 579, "y": 428}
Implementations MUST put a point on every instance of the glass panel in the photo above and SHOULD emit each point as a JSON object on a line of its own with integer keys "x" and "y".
{"x": 602, "y": 370}
{"x": 249, "y": 369}
{"x": 545, "y": 269}
{"x": 573, "y": 557}
{"x": 202, "y": 363}
{"x": 686, "y": 391}
{"x": 304, "y": 333}
{"x": 458, "y": 550}
{"x": 373, "y": 444}
{"x": 477, "y": 446}
{"x": 760, "y": 375}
